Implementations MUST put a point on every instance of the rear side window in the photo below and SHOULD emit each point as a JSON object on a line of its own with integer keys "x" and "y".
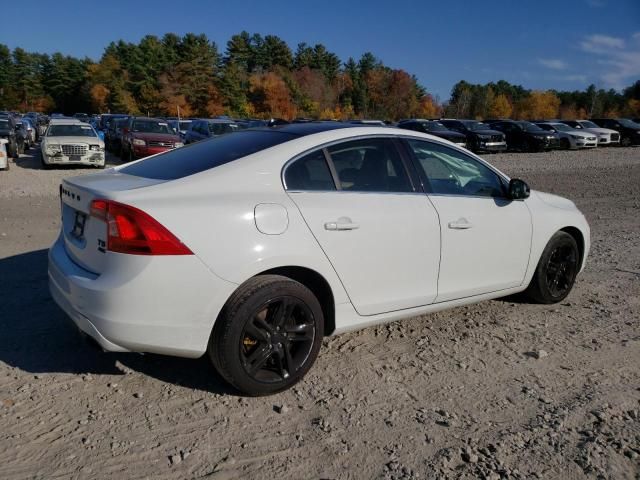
{"x": 370, "y": 165}
{"x": 205, "y": 155}
{"x": 309, "y": 173}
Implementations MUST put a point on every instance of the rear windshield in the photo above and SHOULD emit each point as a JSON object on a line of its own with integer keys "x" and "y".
{"x": 206, "y": 154}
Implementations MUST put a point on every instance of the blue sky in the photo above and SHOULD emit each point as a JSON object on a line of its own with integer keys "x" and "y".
{"x": 564, "y": 44}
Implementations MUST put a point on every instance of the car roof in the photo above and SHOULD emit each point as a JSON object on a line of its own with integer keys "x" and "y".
{"x": 309, "y": 128}
{"x": 214, "y": 120}
{"x": 64, "y": 121}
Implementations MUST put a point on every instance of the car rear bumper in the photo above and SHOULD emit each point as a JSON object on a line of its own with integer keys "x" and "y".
{"x": 164, "y": 305}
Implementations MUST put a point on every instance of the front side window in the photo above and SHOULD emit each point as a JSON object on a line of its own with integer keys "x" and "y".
{"x": 370, "y": 165}
{"x": 309, "y": 173}
{"x": 450, "y": 172}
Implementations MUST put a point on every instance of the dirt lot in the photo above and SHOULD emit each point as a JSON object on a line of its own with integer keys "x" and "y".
{"x": 468, "y": 393}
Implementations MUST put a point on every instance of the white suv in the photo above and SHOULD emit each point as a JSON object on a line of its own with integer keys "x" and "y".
{"x": 606, "y": 136}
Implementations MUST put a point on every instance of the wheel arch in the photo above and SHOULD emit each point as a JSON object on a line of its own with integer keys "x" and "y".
{"x": 317, "y": 284}
{"x": 579, "y": 238}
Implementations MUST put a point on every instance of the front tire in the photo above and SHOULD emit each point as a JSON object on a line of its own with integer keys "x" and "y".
{"x": 267, "y": 336}
{"x": 556, "y": 271}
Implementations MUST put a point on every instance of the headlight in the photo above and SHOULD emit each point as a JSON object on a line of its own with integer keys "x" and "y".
{"x": 139, "y": 142}
{"x": 52, "y": 149}
{"x": 178, "y": 144}
{"x": 96, "y": 148}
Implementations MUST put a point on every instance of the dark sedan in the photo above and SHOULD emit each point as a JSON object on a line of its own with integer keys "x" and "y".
{"x": 526, "y": 136}
{"x": 480, "y": 136}
{"x": 435, "y": 128}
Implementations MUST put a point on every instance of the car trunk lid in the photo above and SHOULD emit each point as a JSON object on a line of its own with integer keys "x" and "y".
{"x": 85, "y": 237}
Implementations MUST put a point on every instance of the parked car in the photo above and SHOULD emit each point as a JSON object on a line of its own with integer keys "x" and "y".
{"x": 144, "y": 136}
{"x": 83, "y": 117}
{"x": 71, "y": 142}
{"x": 180, "y": 126}
{"x": 106, "y": 118}
{"x": 254, "y": 246}
{"x": 203, "y": 128}
{"x": 31, "y": 130}
{"x": 629, "y": 131}
{"x": 113, "y": 134}
{"x": 4, "y": 156}
{"x": 378, "y": 123}
{"x": 24, "y": 137}
{"x": 434, "y": 127}
{"x": 480, "y": 136}
{"x": 244, "y": 123}
{"x": 570, "y": 138}
{"x": 8, "y": 132}
{"x": 526, "y": 136}
{"x": 605, "y": 136}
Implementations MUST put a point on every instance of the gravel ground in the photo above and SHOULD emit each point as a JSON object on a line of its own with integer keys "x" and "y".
{"x": 502, "y": 389}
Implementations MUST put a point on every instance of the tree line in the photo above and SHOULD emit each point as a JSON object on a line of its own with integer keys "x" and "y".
{"x": 261, "y": 76}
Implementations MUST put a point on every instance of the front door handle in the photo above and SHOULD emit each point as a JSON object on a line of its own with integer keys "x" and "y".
{"x": 460, "y": 224}
{"x": 342, "y": 223}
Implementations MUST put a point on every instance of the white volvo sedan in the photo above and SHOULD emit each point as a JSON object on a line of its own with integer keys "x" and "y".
{"x": 251, "y": 247}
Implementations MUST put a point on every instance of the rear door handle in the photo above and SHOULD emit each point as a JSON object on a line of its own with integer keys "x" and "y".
{"x": 460, "y": 224}
{"x": 342, "y": 223}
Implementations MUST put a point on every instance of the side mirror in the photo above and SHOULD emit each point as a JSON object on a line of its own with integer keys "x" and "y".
{"x": 17, "y": 127}
{"x": 518, "y": 189}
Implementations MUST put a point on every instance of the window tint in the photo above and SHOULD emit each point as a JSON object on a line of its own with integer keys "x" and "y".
{"x": 310, "y": 172}
{"x": 450, "y": 172}
{"x": 204, "y": 155}
{"x": 371, "y": 165}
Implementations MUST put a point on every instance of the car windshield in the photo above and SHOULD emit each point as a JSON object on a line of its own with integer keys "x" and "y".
{"x": 220, "y": 128}
{"x": 184, "y": 125}
{"x": 4, "y": 123}
{"x": 207, "y": 154}
{"x": 562, "y": 127}
{"x": 150, "y": 126}
{"x": 587, "y": 124}
{"x": 530, "y": 127}
{"x": 477, "y": 126}
{"x": 434, "y": 126}
{"x": 628, "y": 123}
{"x": 71, "y": 131}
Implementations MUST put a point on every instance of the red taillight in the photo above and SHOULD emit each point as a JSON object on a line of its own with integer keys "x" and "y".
{"x": 132, "y": 231}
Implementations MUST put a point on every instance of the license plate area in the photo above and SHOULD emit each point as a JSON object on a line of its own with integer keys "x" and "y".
{"x": 79, "y": 223}
{"x": 75, "y": 158}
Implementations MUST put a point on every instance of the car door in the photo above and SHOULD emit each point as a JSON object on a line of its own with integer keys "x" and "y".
{"x": 381, "y": 236}
{"x": 486, "y": 238}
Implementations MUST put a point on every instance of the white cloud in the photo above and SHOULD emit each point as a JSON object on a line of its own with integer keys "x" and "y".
{"x": 601, "y": 43}
{"x": 553, "y": 63}
{"x": 621, "y": 64}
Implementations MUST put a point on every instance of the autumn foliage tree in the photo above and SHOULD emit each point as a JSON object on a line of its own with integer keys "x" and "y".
{"x": 262, "y": 75}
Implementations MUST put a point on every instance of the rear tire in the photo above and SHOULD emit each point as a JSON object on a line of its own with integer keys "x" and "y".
{"x": 556, "y": 272}
{"x": 267, "y": 336}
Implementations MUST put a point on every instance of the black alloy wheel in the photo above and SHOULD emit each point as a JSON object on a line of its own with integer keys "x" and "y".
{"x": 561, "y": 270}
{"x": 277, "y": 340}
{"x": 556, "y": 271}
{"x": 268, "y": 335}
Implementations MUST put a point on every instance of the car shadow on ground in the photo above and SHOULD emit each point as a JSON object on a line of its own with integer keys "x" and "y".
{"x": 36, "y": 336}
